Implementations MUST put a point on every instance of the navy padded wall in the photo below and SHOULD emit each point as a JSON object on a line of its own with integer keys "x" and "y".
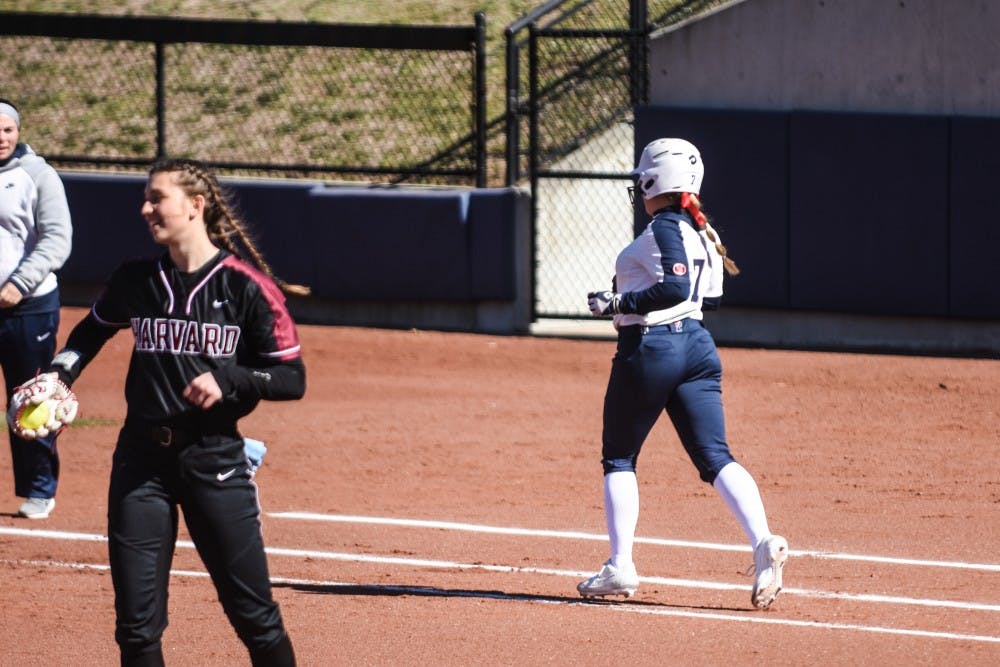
{"x": 869, "y": 214}
{"x": 745, "y": 191}
{"x": 377, "y": 243}
{"x": 975, "y": 224}
{"x": 493, "y": 215}
{"x": 276, "y": 215}
{"x": 345, "y": 243}
{"x": 108, "y": 227}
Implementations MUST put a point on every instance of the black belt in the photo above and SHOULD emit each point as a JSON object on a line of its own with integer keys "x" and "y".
{"x": 164, "y": 435}
{"x": 680, "y": 326}
{"x": 170, "y": 436}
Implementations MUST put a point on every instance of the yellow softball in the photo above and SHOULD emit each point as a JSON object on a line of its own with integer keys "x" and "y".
{"x": 34, "y": 416}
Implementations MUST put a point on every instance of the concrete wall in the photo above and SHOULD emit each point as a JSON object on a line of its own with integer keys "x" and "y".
{"x": 914, "y": 56}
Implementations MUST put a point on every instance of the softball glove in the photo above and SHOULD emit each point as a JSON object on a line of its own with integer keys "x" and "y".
{"x": 41, "y": 406}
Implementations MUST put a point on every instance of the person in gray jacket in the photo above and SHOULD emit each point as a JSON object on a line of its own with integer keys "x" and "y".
{"x": 35, "y": 240}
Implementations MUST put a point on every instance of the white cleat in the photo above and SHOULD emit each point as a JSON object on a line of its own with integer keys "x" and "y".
{"x": 37, "y": 508}
{"x": 769, "y": 560}
{"x": 610, "y": 581}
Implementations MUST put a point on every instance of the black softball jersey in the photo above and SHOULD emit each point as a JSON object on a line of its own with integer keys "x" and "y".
{"x": 227, "y": 318}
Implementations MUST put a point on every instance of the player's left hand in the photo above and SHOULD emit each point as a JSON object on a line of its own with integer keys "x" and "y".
{"x": 42, "y": 406}
{"x": 603, "y": 303}
{"x": 254, "y": 451}
{"x": 203, "y": 391}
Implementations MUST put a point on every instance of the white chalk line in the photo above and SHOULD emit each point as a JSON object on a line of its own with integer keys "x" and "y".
{"x": 574, "y": 535}
{"x": 527, "y": 598}
{"x": 576, "y": 574}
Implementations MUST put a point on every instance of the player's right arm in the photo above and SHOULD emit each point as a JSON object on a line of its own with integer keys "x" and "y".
{"x": 83, "y": 344}
{"x": 105, "y": 319}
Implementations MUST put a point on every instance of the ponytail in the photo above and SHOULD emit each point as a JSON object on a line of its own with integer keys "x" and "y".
{"x": 691, "y": 204}
{"x": 223, "y": 226}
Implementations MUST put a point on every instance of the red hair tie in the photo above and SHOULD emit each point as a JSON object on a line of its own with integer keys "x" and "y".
{"x": 691, "y": 204}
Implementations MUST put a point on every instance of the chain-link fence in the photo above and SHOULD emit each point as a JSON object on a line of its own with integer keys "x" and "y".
{"x": 583, "y": 82}
{"x": 576, "y": 69}
{"x": 365, "y": 103}
{"x": 392, "y": 102}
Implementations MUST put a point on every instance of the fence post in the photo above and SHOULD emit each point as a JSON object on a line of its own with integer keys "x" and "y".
{"x": 161, "y": 105}
{"x": 638, "y": 18}
{"x": 513, "y": 83}
{"x": 480, "y": 120}
{"x": 533, "y": 158}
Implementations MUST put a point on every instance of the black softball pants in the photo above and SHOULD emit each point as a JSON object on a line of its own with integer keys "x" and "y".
{"x": 209, "y": 482}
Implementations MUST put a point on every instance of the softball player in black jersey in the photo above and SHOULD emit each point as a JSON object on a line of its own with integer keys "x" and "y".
{"x": 667, "y": 362}
{"x": 212, "y": 338}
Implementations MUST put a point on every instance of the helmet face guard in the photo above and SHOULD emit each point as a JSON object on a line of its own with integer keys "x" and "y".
{"x": 669, "y": 165}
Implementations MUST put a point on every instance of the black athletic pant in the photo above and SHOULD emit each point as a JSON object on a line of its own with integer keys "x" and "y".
{"x": 208, "y": 480}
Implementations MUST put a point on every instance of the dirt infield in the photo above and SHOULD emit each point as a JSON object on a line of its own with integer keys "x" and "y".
{"x": 436, "y": 497}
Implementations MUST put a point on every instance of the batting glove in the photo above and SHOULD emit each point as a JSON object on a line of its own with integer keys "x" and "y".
{"x": 254, "y": 451}
{"x": 604, "y": 303}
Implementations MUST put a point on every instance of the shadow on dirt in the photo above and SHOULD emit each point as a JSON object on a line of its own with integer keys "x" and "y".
{"x": 429, "y": 591}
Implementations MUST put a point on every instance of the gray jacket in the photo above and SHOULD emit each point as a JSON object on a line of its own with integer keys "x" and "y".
{"x": 36, "y": 232}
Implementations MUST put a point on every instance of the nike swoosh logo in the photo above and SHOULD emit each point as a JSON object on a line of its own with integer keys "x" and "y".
{"x": 43, "y": 336}
{"x": 218, "y": 304}
{"x": 223, "y": 476}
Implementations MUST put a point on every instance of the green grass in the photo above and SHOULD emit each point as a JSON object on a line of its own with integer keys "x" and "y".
{"x": 85, "y": 422}
{"x": 79, "y": 103}
{"x": 240, "y": 104}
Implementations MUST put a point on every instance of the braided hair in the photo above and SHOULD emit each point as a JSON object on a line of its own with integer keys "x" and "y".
{"x": 224, "y": 228}
{"x": 692, "y": 204}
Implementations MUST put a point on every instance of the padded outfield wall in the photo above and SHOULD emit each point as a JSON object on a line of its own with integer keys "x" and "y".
{"x": 460, "y": 259}
{"x": 851, "y": 154}
{"x": 872, "y": 231}
{"x": 439, "y": 258}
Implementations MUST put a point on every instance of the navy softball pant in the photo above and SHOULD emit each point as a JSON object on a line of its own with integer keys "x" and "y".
{"x": 27, "y": 344}
{"x": 209, "y": 481}
{"x": 671, "y": 367}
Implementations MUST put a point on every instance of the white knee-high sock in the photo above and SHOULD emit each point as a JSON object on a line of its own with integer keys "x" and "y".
{"x": 621, "y": 509}
{"x": 742, "y": 497}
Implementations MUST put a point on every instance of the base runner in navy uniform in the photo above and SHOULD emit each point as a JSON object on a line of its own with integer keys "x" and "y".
{"x": 212, "y": 338}
{"x": 667, "y": 361}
